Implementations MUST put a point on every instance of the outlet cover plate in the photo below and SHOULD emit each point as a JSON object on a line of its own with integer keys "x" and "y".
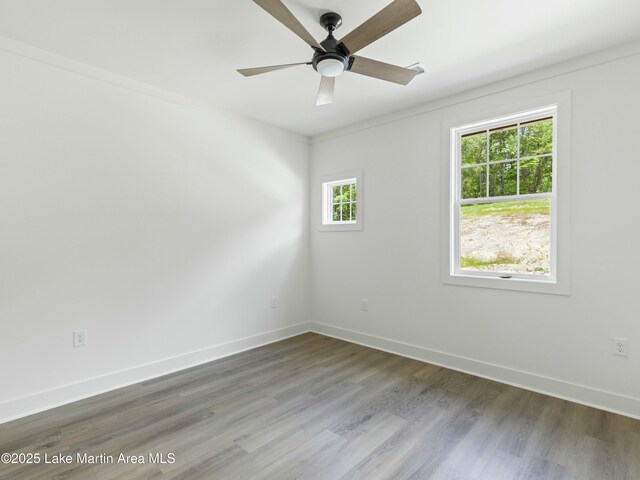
{"x": 620, "y": 346}
{"x": 79, "y": 338}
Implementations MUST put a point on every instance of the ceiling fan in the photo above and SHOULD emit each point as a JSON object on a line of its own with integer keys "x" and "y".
{"x": 333, "y": 57}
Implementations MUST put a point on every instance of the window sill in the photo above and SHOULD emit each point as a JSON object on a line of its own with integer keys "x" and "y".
{"x": 340, "y": 227}
{"x": 517, "y": 284}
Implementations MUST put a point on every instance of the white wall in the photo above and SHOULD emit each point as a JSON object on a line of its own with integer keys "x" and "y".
{"x": 164, "y": 228}
{"x": 557, "y": 344}
{"x": 160, "y": 227}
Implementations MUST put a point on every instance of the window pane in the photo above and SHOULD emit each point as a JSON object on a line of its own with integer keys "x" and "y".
{"x": 473, "y": 149}
{"x": 336, "y": 213}
{"x": 503, "y": 179}
{"x": 336, "y": 194}
{"x": 346, "y": 193}
{"x": 503, "y": 144}
{"x": 346, "y": 212}
{"x": 474, "y": 181}
{"x": 354, "y": 192}
{"x": 536, "y": 175}
{"x": 509, "y": 237}
{"x": 354, "y": 211}
{"x": 536, "y": 138}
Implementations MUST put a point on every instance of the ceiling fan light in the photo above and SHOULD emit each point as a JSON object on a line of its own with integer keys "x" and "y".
{"x": 330, "y": 67}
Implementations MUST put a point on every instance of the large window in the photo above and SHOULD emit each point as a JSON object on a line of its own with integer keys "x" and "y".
{"x": 504, "y": 197}
{"x": 341, "y": 201}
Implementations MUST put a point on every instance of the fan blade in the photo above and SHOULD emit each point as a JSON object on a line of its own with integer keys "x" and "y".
{"x": 325, "y": 94}
{"x": 250, "y": 72}
{"x": 386, "y": 20}
{"x": 381, "y": 70}
{"x": 280, "y": 12}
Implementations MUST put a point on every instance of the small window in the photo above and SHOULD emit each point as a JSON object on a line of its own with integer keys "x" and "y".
{"x": 341, "y": 200}
{"x": 504, "y": 198}
{"x": 342, "y": 197}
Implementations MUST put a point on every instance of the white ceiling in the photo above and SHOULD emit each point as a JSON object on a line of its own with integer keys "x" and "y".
{"x": 192, "y": 47}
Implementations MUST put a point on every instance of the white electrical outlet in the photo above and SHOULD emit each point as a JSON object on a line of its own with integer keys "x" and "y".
{"x": 79, "y": 338}
{"x": 620, "y": 346}
{"x": 364, "y": 305}
{"x": 274, "y": 302}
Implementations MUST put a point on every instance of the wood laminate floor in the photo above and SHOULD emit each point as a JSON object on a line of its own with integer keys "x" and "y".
{"x": 313, "y": 407}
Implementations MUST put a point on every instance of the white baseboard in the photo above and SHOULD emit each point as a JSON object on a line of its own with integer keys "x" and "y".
{"x": 593, "y": 397}
{"x": 590, "y": 396}
{"x": 38, "y": 402}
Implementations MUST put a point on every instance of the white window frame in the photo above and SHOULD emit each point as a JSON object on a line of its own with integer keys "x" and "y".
{"x": 327, "y": 183}
{"x": 558, "y": 280}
